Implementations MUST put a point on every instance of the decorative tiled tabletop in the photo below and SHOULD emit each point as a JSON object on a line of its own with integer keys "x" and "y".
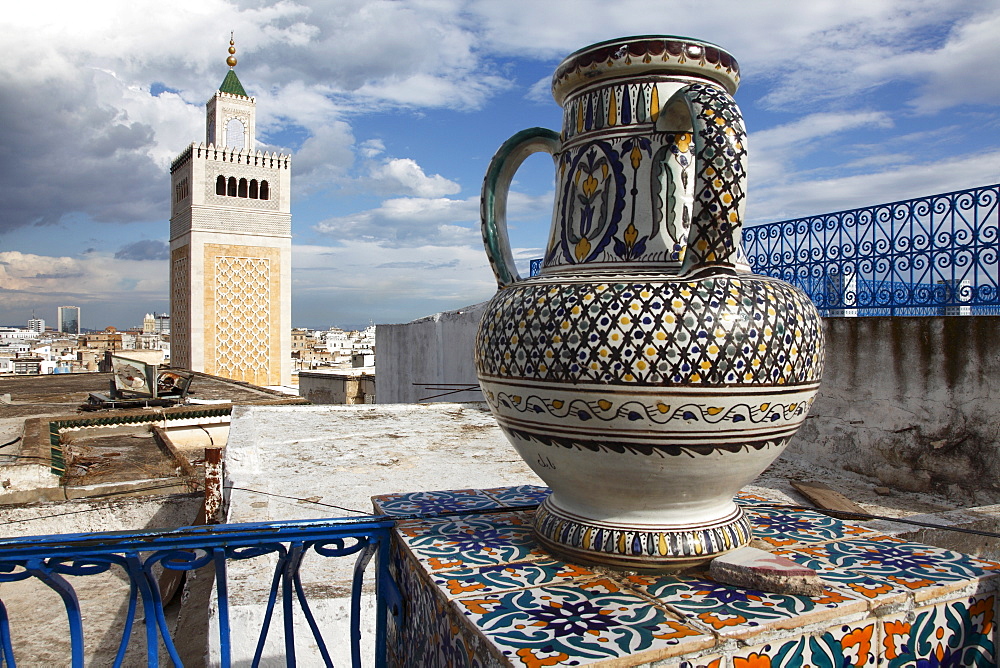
{"x": 479, "y": 591}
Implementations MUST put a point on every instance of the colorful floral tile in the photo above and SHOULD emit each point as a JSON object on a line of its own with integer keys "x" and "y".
{"x": 986, "y": 565}
{"x": 740, "y": 613}
{"x": 417, "y": 503}
{"x": 521, "y": 495}
{"x": 957, "y": 633}
{"x": 592, "y": 621}
{"x": 433, "y": 633}
{"x": 507, "y": 577}
{"x": 781, "y": 527}
{"x": 846, "y": 645}
{"x": 925, "y": 571}
{"x": 471, "y": 541}
{"x": 877, "y": 591}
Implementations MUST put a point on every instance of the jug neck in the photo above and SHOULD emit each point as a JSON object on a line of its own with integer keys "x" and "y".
{"x": 623, "y": 106}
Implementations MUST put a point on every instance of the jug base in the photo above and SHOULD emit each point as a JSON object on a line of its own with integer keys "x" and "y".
{"x": 618, "y": 545}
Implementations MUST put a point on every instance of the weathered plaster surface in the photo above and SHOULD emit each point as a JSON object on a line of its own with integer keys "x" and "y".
{"x": 438, "y": 349}
{"x": 911, "y": 402}
{"x": 284, "y": 463}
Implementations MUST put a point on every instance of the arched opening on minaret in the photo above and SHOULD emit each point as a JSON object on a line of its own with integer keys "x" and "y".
{"x": 254, "y": 189}
{"x": 264, "y": 192}
{"x": 220, "y": 185}
{"x": 242, "y": 192}
{"x": 231, "y": 187}
{"x": 235, "y": 134}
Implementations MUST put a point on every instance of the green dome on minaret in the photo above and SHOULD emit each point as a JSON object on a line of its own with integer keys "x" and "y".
{"x": 231, "y": 84}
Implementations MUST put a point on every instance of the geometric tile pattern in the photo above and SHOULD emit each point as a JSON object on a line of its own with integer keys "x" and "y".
{"x": 412, "y": 503}
{"x": 740, "y": 613}
{"x": 458, "y": 500}
{"x": 480, "y": 591}
{"x": 504, "y": 577}
{"x": 719, "y": 331}
{"x": 559, "y": 624}
{"x": 924, "y": 571}
{"x": 779, "y": 527}
{"x": 471, "y": 541}
{"x": 243, "y": 316}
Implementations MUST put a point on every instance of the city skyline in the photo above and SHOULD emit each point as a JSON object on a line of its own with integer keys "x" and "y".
{"x": 392, "y": 110}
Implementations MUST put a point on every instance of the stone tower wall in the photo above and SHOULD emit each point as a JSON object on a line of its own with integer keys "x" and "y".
{"x": 231, "y": 255}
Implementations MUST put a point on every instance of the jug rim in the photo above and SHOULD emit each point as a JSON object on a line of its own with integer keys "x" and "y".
{"x": 645, "y": 54}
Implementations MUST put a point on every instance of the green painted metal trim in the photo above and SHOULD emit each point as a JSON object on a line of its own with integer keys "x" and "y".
{"x": 231, "y": 84}
{"x": 57, "y": 455}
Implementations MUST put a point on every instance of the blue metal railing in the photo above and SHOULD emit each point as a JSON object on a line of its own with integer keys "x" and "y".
{"x": 50, "y": 558}
{"x": 922, "y": 256}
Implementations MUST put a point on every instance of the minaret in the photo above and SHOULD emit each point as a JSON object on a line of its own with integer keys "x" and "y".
{"x": 230, "y": 247}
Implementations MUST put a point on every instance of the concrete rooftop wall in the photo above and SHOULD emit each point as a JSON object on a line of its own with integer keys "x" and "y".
{"x": 912, "y": 402}
{"x": 412, "y": 358}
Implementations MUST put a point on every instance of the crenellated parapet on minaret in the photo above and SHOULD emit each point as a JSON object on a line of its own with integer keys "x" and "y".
{"x": 235, "y": 179}
{"x": 230, "y": 244}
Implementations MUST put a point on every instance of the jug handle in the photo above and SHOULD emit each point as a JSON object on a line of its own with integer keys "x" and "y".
{"x": 493, "y": 204}
{"x": 714, "y": 243}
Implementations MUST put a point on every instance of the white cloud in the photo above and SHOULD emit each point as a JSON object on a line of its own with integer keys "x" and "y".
{"x": 324, "y": 158}
{"x": 841, "y": 58}
{"x": 406, "y": 176}
{"x": 358, "y": 280}
{"x": 803, "y": 197}
{"x": 372, "y": 148}
{"x": 776, "y": 151}
{"x": 118, "y": 289}
{"x": 541, "y": 90}
{"x": 960, "y": 72}
{"x": 410, "y": 222}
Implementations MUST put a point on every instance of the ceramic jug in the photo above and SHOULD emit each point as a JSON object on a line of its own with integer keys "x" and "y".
{"x": 645, "y": 374}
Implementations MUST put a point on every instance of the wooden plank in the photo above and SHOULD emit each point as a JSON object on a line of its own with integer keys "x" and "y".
{"x": 827, "y": 498}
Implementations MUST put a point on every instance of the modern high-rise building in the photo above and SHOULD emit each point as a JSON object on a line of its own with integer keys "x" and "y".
{"x": 36, "y": 325}
{"x": 68, "y": 319}
{"x": 230, "y": 247}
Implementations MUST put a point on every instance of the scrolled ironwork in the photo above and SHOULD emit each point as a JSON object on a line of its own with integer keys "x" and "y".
{"x": 924, "y": 256}
{"x": 49, "y": 559}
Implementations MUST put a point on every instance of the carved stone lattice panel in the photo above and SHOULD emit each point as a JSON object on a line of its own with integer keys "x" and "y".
{"x": 180, "y": 223}
{"x": 243, "y": 317}
{"x": 180, "y": 309}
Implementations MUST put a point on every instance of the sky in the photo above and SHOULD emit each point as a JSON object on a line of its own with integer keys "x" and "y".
{"x": 392, "y": 109}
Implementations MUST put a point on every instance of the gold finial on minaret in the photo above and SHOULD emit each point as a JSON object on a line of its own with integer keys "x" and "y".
{"x": 231, "y": 60}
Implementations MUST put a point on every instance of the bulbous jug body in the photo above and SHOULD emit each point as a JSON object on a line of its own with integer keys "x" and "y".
{"x": 645, "y": 374}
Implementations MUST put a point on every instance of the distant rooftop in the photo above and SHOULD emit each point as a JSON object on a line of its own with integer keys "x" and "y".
{"x": 61, "y": 394}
